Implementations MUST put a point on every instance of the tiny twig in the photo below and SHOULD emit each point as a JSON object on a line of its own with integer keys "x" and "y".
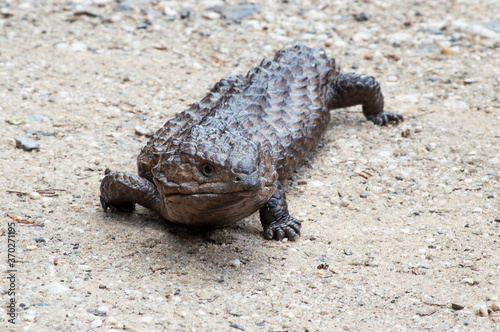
{"x": 418, "y": 115}
{"x": 362, "y": 175}
{"x": 180, "y": 53}
{"x": 435, "y": 304}
{"x": 17, "y": 192}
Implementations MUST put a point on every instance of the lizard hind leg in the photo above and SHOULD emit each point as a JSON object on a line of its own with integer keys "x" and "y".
{"x": 277, "y": 222}
{"x": 349, "y": 89}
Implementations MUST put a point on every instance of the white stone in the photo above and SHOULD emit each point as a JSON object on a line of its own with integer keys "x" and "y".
{"x": 235, "y": 263}
{"x": 317, "y": 183}
{"x": 95, "y": 324}
{"x": 78, "y": 46}
{"x": 61, "y": 45}
{"x": 474, "y": 29}
{"x": 56, "y": 288}
{"x": 399, "y": 37}
{"x": 197, "y": 66}
{"x": 170, "y": 12}
{"x": 85, "y": 268}
{"x": 468, "y": 281}
{"x": 35, "y": 195}
{"x": 494, "y": 160}
{"x": 111, "y": 321}
{"x": 140, "y": 130}
{"x": 385, "y": 154}
{"x": 114, "y": 112}
{"x": 103, "y": 309}
{"x": 210, "y": 15}
{"x": 340, "y": 43}
{"x": 481, "y": 310}
{"x": 361, "y": 36}
{"x": 200, "y": 313}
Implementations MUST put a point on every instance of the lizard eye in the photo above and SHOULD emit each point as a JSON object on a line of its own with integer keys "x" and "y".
{"x": 207, "y": 170}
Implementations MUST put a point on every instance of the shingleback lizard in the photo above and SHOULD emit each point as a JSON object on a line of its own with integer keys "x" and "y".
{"x": 227, "y": 156}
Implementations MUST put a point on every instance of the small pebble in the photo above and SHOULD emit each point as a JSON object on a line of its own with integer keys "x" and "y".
{"x": 468, "y": 281}
{"x": 235, "y": 263}
{"x": 495, "y": 306}
{"x": 494, "y": 160}
{"x": 211, "y": 15}
{"x": 56, "y": 288}
{"x": 28, "y": 318}
{"x": 348, "y": 252}
{"x": 477, "y": 210}
{"x": 61, "y": 45}
{"x": 185, "y": 14}
{"x": 344, "y": 203}
{"x": 102, "y": 311}
{"x": 111, "y": 321}
{"x": 114, "y": 112}
{"x": 385, "y": 154}
{"x": 85, "y": 268}
{"x": 34, "y": 195}
{"x": 406, "y": 132}
{"x": 316, "y": 183}
{"x": 200, "y": 313}
{"x": 141, "y": 131}
{"x": 115, "y": 19}
{"x": 95, "y": 324}
{"x": 446, "y": 50}
{"x": 27, "y": 144}
{"x": 78, "y": 46}
{"x": 361, "y": 17}
{"x": 236, "y": 326}
{"x": 36, "y": 118}
{"x": 481, "y": 310}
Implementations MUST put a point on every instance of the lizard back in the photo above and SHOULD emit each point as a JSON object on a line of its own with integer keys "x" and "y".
{"x": 280, "y": 104}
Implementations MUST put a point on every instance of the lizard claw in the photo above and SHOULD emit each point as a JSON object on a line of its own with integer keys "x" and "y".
{"x": 124, "y": 207}
{"x": 285, "y": 227}
{"x": 383, "y": 118}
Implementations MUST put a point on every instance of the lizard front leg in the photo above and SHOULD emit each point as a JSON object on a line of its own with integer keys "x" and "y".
{"x": 275, "y": 218}
{"x": 120, "y": 191}
{"x": 351, "y": 89}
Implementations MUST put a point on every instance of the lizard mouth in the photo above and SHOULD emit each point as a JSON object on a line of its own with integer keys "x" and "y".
{"x": 215, "y": 209}
{"x": 177, "y": 197}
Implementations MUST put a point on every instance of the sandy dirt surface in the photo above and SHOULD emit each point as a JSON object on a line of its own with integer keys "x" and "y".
{"x": 401, "y": 225}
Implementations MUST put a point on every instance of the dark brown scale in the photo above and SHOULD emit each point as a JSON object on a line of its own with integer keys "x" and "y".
{"x": 226, "y": 157}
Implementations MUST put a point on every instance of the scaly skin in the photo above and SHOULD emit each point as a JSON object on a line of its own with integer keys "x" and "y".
{"x": 226, "y": 157}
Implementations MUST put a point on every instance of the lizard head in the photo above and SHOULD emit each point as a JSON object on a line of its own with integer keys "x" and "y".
{"x": 213, "y": 174}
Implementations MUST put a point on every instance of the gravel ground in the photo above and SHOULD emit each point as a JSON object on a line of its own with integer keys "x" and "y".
{"x": 401, "y": 224}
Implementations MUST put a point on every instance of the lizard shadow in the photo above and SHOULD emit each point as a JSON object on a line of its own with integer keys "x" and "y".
{"x": 216, "y": 249}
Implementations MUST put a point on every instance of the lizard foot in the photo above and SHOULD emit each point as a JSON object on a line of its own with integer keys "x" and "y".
{"x": 287, "y": 226}
{"x": 383, "y": 118}
{"x": 124, "y": 207}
